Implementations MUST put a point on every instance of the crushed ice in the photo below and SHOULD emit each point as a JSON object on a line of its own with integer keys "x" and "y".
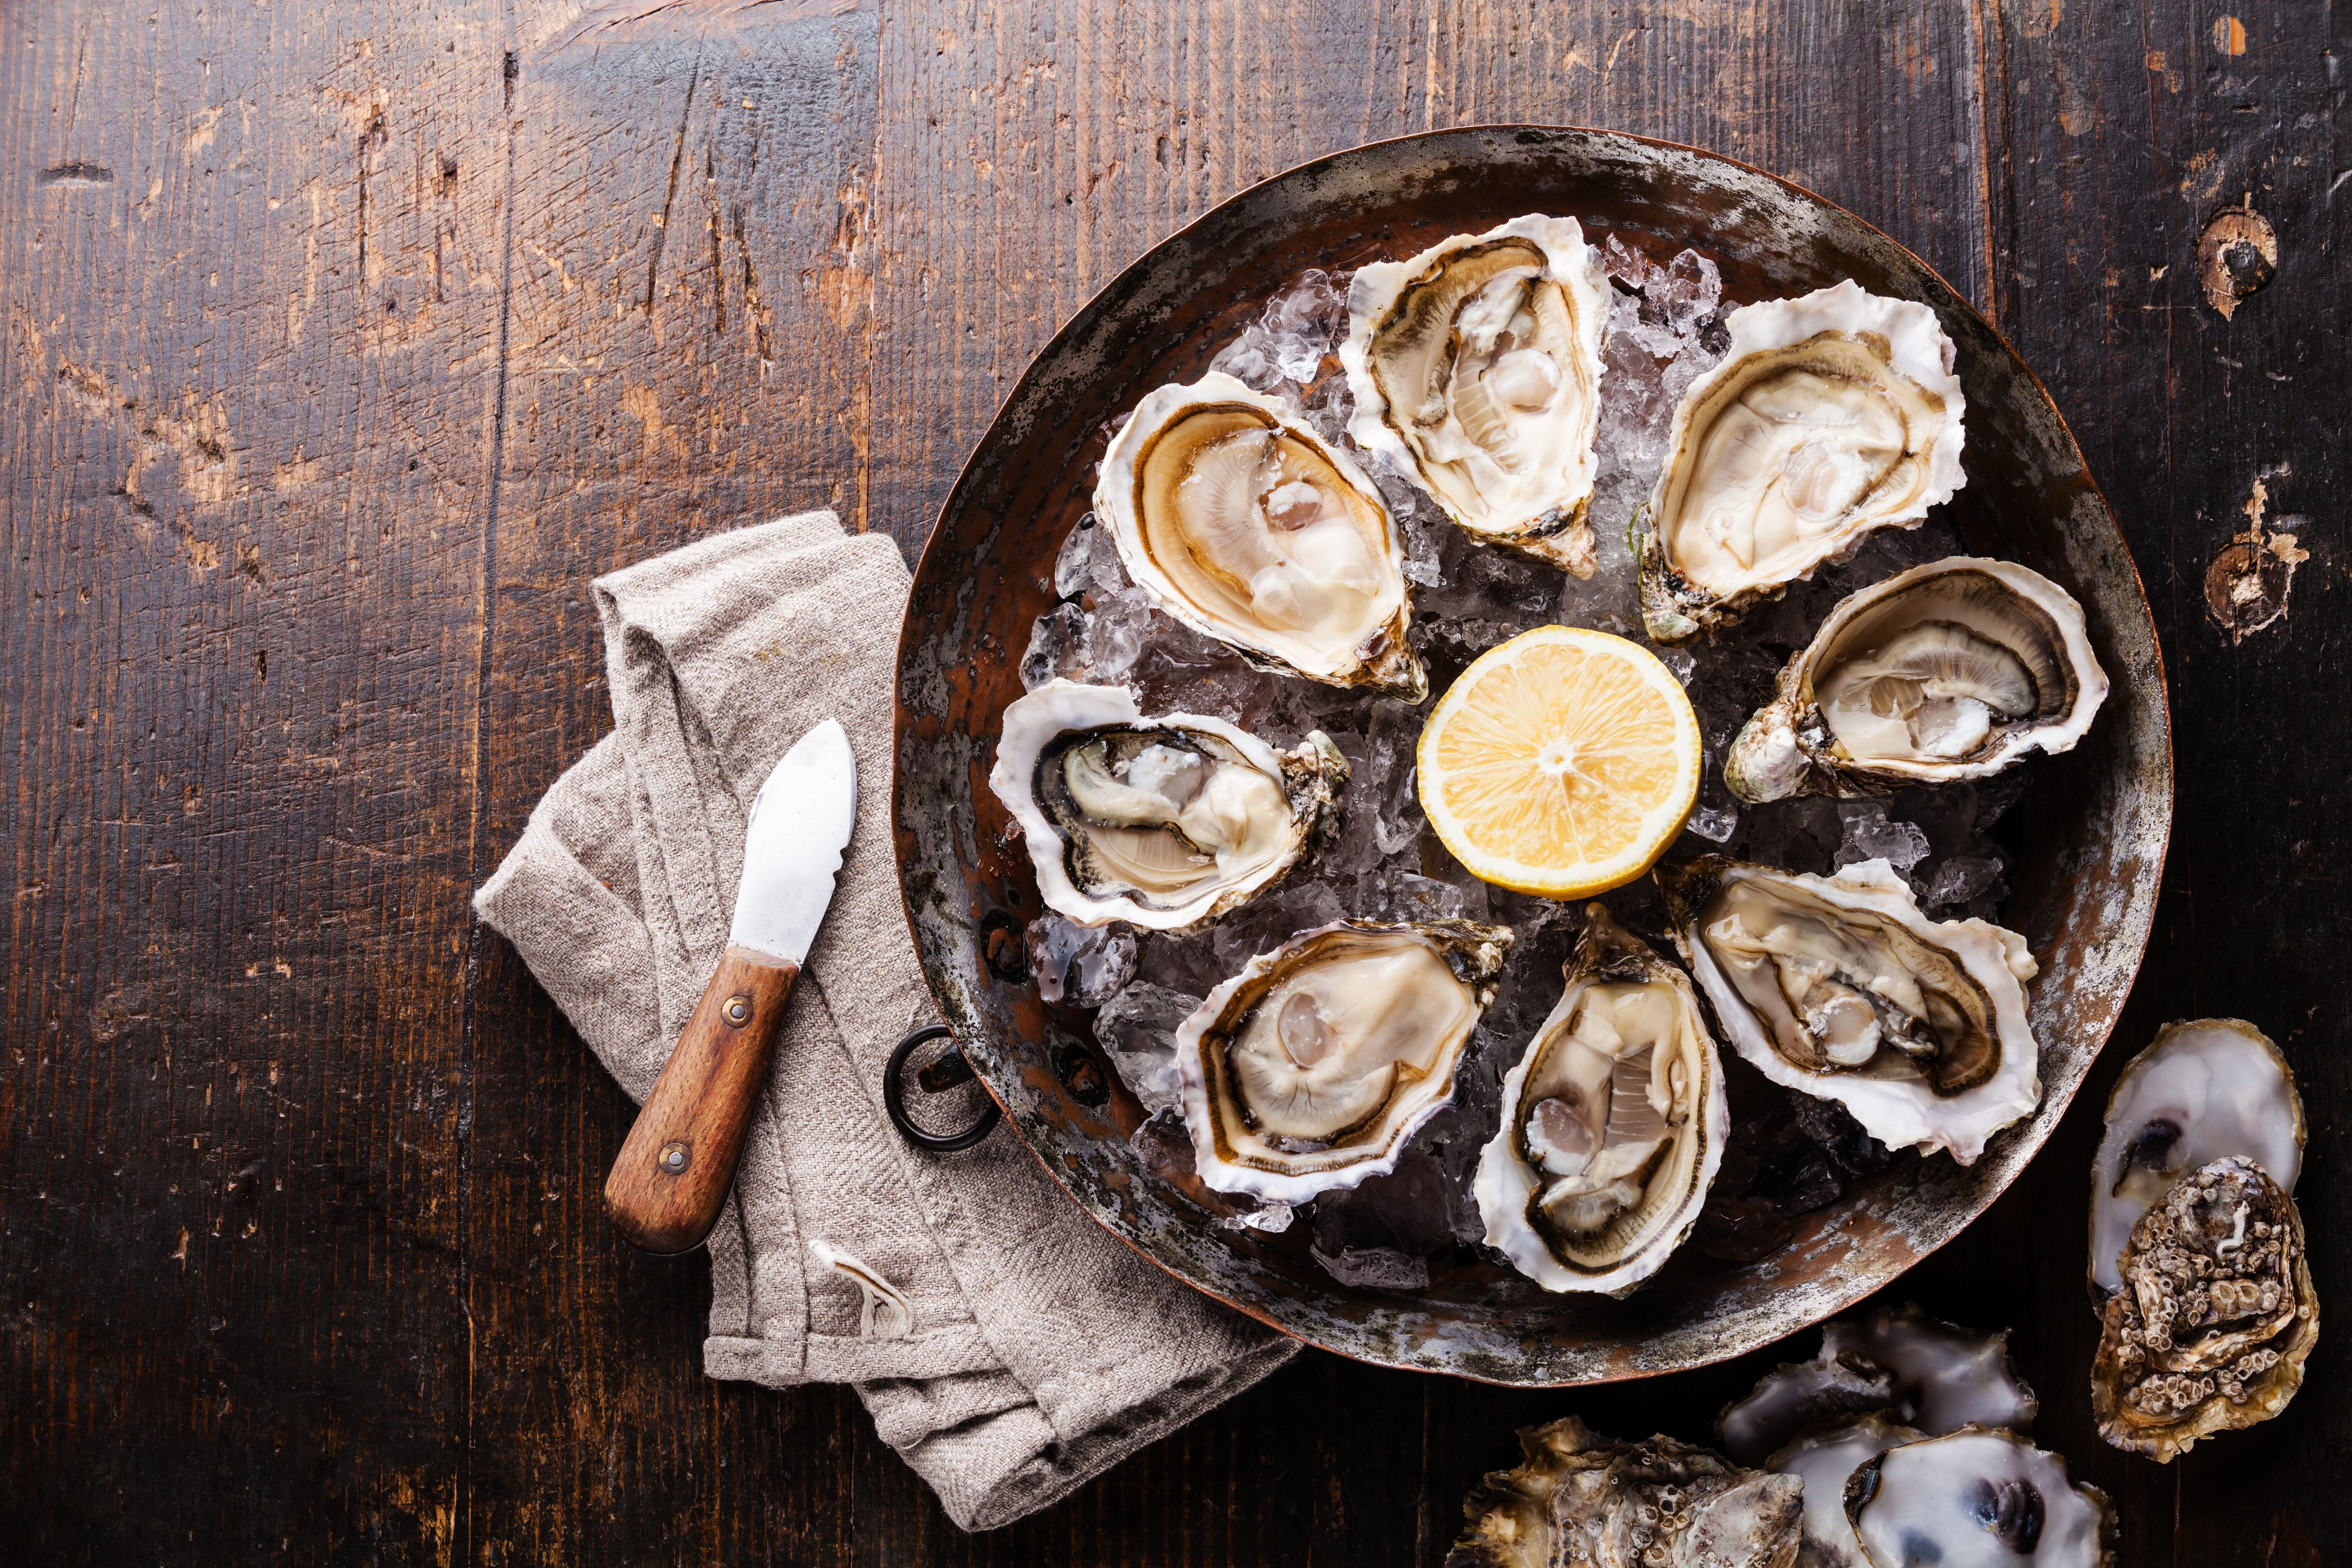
{"x": 1666, "y": 330}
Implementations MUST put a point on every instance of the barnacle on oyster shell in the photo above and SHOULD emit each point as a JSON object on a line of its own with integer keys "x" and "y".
{"x": 1312, "y": 1067}
{"x": 1956, "y": 669}
{"x": 2216, "y": 1316}
{"x": 1239, "y": 521}
{"x": 1163, "y": 823}
{"x": 2202, "y": 1089}
{"x": 1582, "y": 1500}
{"x": 1613, "y": 1122}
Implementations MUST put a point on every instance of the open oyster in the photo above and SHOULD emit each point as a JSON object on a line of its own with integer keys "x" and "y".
{"x": 1476, "y": 368}
{"x": 1824, "y": 1458}
{"x": 1955, "y": 669}
{"x": 1244, "y": 525}
{"x": 1917, "y": 1368}
{"x": 2205, "y": 1088}
{"x": 1832, "y": 415}
{"x": 1613, "y": 1122}
{"x": 1163, "y": 823}
{"x": 1312, "y": 1067}
{"x": 1977, "y": 1498}
{"x": 1581, "y": 1499}
{"x": 1839, "y": 987}
{"x": 2216, "y": 1316}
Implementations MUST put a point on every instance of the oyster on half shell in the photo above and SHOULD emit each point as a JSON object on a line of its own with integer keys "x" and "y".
{"x": 2216, "y": 1317}
{"x": 1585, "y": 1501}
{"x": 2203, "y": 1089}
{"x": 1243, "y": 524}
{"x": 1956, "y": 669}
{"x": 1476, "y": 367}
{"x": 1832, "y": 415}
{"x": 1613, "y": 1122}
{"x": 1839, "y": 987}
{"x": 1312, "y": 1067}
{"x": 1162, "y": 823}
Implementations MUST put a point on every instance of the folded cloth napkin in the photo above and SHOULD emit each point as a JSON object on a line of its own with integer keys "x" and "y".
{"x": 1006, "y": 1346}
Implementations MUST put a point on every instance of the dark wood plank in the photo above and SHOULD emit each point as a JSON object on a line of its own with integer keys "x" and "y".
{"x": 342, "y": 348}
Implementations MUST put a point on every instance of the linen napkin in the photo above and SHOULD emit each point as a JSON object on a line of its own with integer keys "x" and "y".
{"x": 1006, "y": 1346}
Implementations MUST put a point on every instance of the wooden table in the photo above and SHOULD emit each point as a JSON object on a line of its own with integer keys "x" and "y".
{"x": 344, "y": 344}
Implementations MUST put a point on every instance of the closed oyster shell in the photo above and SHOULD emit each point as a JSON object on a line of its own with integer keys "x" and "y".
{"x": 1613, "y": 1122}
{"x": 1476, "y": 367}
{"x": 1582, "y": 1500}
{"x": 1830, "y": 416}
{"x": 2216, "y": 1317}
{"x": 1314, "y": 1067}
{"x": 1919, "y": 1028}
{"x": 1956, "y": 669}
{"x": 1163, "y": 823}
{"x": 1242, "y": 522}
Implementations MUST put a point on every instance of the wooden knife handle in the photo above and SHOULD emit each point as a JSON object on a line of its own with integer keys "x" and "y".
{"x": 674, "y": 1170}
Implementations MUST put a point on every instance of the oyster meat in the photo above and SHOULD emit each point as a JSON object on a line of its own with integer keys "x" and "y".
{"x": 1830, "y": 416}
{"x": 1613, "y": 1122}
{"x": 1977, "y": 1498}
{"x": 1916, "y": 1369}
{"x": 2205, "y": 1088}
{"x": 1476, "y": 368}
{"x": 1312, "y": 1067}
{"x": 1952, "y": 670}
{"x": 1839, "y": 987}
{"x": 2216, "y": 1316}
{"x": 1824, "y": 1458}
{"x": 1163, "y": 823}
{"x": 1240, "y": 521}
{"x": 1581, "y": 1499}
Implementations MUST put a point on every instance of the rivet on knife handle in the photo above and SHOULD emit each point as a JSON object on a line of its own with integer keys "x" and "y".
{"x": 674, "y": 1172}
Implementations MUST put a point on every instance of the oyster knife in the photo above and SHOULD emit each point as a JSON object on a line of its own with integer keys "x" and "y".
{"x": 675, "y": 1167}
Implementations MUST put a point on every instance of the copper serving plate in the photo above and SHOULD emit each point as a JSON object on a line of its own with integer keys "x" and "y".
{"x": 2094, "y": 828}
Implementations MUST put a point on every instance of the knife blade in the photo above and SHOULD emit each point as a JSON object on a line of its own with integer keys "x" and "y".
{"x": 674, "y": 1169}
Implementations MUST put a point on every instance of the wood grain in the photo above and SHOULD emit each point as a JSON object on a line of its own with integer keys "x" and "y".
{"x": 342, "y": 346}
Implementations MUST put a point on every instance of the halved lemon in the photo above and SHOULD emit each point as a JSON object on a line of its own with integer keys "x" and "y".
{"x": 1562, "y": 762}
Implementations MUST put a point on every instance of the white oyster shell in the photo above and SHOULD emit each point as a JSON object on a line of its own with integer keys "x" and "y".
{"x": 1977, "y": 1498}
{"x": 1830, "y": 416}
{"x": 1826, "y": 1460}
{"x": 1476, "y": 367}
{"x": 1873, "y": 975}
{"x": 1956, "y": 669}
{"x": 1613, "y": 1123}
{"x": 1195, "y": 815}
{"x": 1243, "y": 524}
{"x": 2204, "y": 1089}
{"x": 1314, "y": 1067}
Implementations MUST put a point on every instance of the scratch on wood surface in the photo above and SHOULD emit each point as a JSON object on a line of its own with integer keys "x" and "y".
{"x": 676, "y": 159}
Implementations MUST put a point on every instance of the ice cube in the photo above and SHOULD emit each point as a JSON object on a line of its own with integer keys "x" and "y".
{"x": 1273, "y": 1219}
{"x": 1136, "y": 1030}
{"x": 1085, "y": 965}
{"x": 1373, "y": 1268}
{"x": 1074, "y": 568}
{"x": 1871, "y": 836}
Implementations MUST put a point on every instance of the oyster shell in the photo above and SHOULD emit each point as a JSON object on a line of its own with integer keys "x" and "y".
{"x": 1163, "y": 823}
{"x": 1613, "y": 1122}
{"x": 1830, "y": 416}
{"x": 1977, "y": 1498}
{"x": 1312, "y": 1067}
{"x": 1920, "y": 1370}
{"x": 2216, "y": 1317}
{"x": 1839, "y": 987}
{"x": 1956, "y": 669}
{"x": 1582, "y": 1500}
{"x": 1824, "y": 1458}
{"x": 2204, "y": 1088}
{"x": 1476, "y": 368}
{"x": 1243, "y": 524}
